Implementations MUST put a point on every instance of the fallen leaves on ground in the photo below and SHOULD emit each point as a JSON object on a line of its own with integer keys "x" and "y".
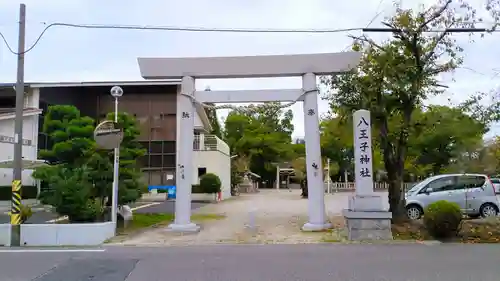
{"x": 472, "y": 231}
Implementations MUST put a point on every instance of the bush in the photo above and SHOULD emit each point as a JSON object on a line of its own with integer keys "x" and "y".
{"x": 196, "y": 189}
{"x": 27, "y": 192}
{"x": 26, "y": 213}
{"x": 210, "y": 183}
{"x": 442, "y": 219}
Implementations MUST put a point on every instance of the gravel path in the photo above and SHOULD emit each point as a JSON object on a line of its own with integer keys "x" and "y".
{"x": 276, "y": 217}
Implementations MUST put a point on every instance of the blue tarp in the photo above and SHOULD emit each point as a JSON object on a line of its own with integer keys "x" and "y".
{"x": 171, "y": 190}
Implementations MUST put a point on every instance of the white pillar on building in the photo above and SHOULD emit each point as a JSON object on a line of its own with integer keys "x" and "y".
{"x": 316, "y": 191}
{"x": 186, "y": 116}
{"x": 201, "y": 138}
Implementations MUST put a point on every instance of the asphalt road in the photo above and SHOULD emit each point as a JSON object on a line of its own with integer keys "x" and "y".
{"x": 167, "y": 207}
{"x": 360, "y": 262}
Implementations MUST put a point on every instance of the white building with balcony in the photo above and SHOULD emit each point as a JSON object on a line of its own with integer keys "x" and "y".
{"x": 211, "y": 155}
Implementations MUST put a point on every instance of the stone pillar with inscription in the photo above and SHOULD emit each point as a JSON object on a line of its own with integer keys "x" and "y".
{"x": 183, "y": 172}
{"x": 366, "y": 218}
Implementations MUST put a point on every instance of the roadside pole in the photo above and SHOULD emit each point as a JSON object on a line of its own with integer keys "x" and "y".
{"x": 15, "y": 238}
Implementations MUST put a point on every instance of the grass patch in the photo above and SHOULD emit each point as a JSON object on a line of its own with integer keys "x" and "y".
{"x": 142, "y": 221}
{"x": 472, "y": 231}
{"x": 206, "y": 217}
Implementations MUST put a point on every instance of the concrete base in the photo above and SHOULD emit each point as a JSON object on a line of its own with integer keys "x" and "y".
{"x": 368, "y": 203}
{"x": 316, "y": 227}
{"x": 368, "y": 225}
{"x": 191, "y": 227}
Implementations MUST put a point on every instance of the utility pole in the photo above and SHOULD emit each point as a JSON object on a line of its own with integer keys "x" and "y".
{"x": 18, "y": 133}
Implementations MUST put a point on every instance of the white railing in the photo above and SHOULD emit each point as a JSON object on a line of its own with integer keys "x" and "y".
{"x": 204, "y": 142}
{"x": 351, "y": 186}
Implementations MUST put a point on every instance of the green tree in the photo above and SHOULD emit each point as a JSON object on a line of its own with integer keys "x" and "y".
{"x": 131, "y": 186}
{"x": 75, "y": 150}
{"x": 263, "y": 134}
{"x": 445, "y": 134}
{"x": 396, "y": 76}
{"x": 71, "y": 135}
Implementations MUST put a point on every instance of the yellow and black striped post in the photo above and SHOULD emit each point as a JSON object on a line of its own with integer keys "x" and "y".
{"x": 15, "y": 212}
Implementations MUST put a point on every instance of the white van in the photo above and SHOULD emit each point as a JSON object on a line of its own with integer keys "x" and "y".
{"x": 474, "y": 193}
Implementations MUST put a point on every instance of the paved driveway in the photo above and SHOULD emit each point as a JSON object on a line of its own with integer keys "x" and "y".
{"x": 270, "y": 216}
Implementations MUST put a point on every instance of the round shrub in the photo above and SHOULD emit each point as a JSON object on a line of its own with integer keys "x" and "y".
{"x": 210, "y": 183}
{"x": 442, "y": 219}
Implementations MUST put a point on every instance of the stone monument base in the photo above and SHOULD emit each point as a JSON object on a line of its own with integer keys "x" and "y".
{"x": 367, "y": 220}
{"x": 183, "y": 228}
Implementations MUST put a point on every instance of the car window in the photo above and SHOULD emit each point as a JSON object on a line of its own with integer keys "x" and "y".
{"x": 466, "y": 182}
{"x": 496, "y": 181}
{"x": 441, "y": 184}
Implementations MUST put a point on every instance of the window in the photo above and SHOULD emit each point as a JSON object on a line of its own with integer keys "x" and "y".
{"x": 466, "y": 182}
{"x": 155, "y": 147}
{"x": 495, "y": 181}
{"x": 202, "y": 171}
{"x": 169, "y": 160}
{"x": 169, "y": 147}
{"x": 441, "y": 184}
{"x": 143, "y": 161}
{"x": 155, "y": 161}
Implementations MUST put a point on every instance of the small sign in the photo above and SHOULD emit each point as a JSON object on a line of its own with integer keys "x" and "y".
{"x": 107, "y": 135}
{"x": 8, "y": 139}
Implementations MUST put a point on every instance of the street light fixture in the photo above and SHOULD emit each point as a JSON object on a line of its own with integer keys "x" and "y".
{"x": 116, "y": 92}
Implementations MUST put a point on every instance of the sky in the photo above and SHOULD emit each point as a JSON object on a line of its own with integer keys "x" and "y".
{"x": 70, "y": 54}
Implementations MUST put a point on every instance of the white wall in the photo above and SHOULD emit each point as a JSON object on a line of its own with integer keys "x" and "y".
{"x": 66, "y": 234}
{"x": 217, "y": 163}
{"x": 30, "y": 132}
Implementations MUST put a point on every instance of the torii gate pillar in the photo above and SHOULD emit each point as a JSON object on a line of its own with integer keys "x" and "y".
{"x": 307, "y": 66}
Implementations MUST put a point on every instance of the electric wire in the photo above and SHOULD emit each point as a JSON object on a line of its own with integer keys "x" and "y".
{"x": 207, "y": 29}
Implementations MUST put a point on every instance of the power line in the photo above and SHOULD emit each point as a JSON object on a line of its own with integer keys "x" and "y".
{"x": 173, "y": 28}
{"x": 222, "y": 30}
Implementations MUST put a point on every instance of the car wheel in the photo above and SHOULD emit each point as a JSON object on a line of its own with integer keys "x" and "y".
{"x": 414, "y": 212}
{"x": 488, "y": 210}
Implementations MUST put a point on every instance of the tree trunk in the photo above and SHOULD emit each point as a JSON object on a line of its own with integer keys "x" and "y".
{"x": 396, "y": 202}
{"x": 394, "y": 169}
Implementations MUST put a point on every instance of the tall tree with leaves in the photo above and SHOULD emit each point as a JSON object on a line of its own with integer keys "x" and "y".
{"x": 263, "y": 134}
{"x": 395, "y": 77}
{"x": 130, "y": 185}
{"x": 75, "y": 151}
{"x": 71, "y": 135}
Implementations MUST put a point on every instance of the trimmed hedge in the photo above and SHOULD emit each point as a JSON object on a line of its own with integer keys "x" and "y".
{"x": 210, "y": 183}
{"x": 27, "y": 192}
{"x": 442, "y": 219}
{"x": 197, "y": 189}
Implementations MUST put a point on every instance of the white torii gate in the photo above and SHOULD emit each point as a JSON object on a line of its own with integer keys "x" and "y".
{"x": 307, "y": 66}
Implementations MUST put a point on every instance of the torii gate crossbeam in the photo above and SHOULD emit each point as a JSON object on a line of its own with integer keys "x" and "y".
{"x": 188, "y": 69}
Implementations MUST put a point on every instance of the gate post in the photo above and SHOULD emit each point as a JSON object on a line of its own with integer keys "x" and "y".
{"x": 184, "y": 169}
{"x": 316, "y": 192}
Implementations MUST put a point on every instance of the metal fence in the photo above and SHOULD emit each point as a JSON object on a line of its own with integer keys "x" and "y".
{"x": 351, "y": 186}
{"x": 209, "y": 142}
